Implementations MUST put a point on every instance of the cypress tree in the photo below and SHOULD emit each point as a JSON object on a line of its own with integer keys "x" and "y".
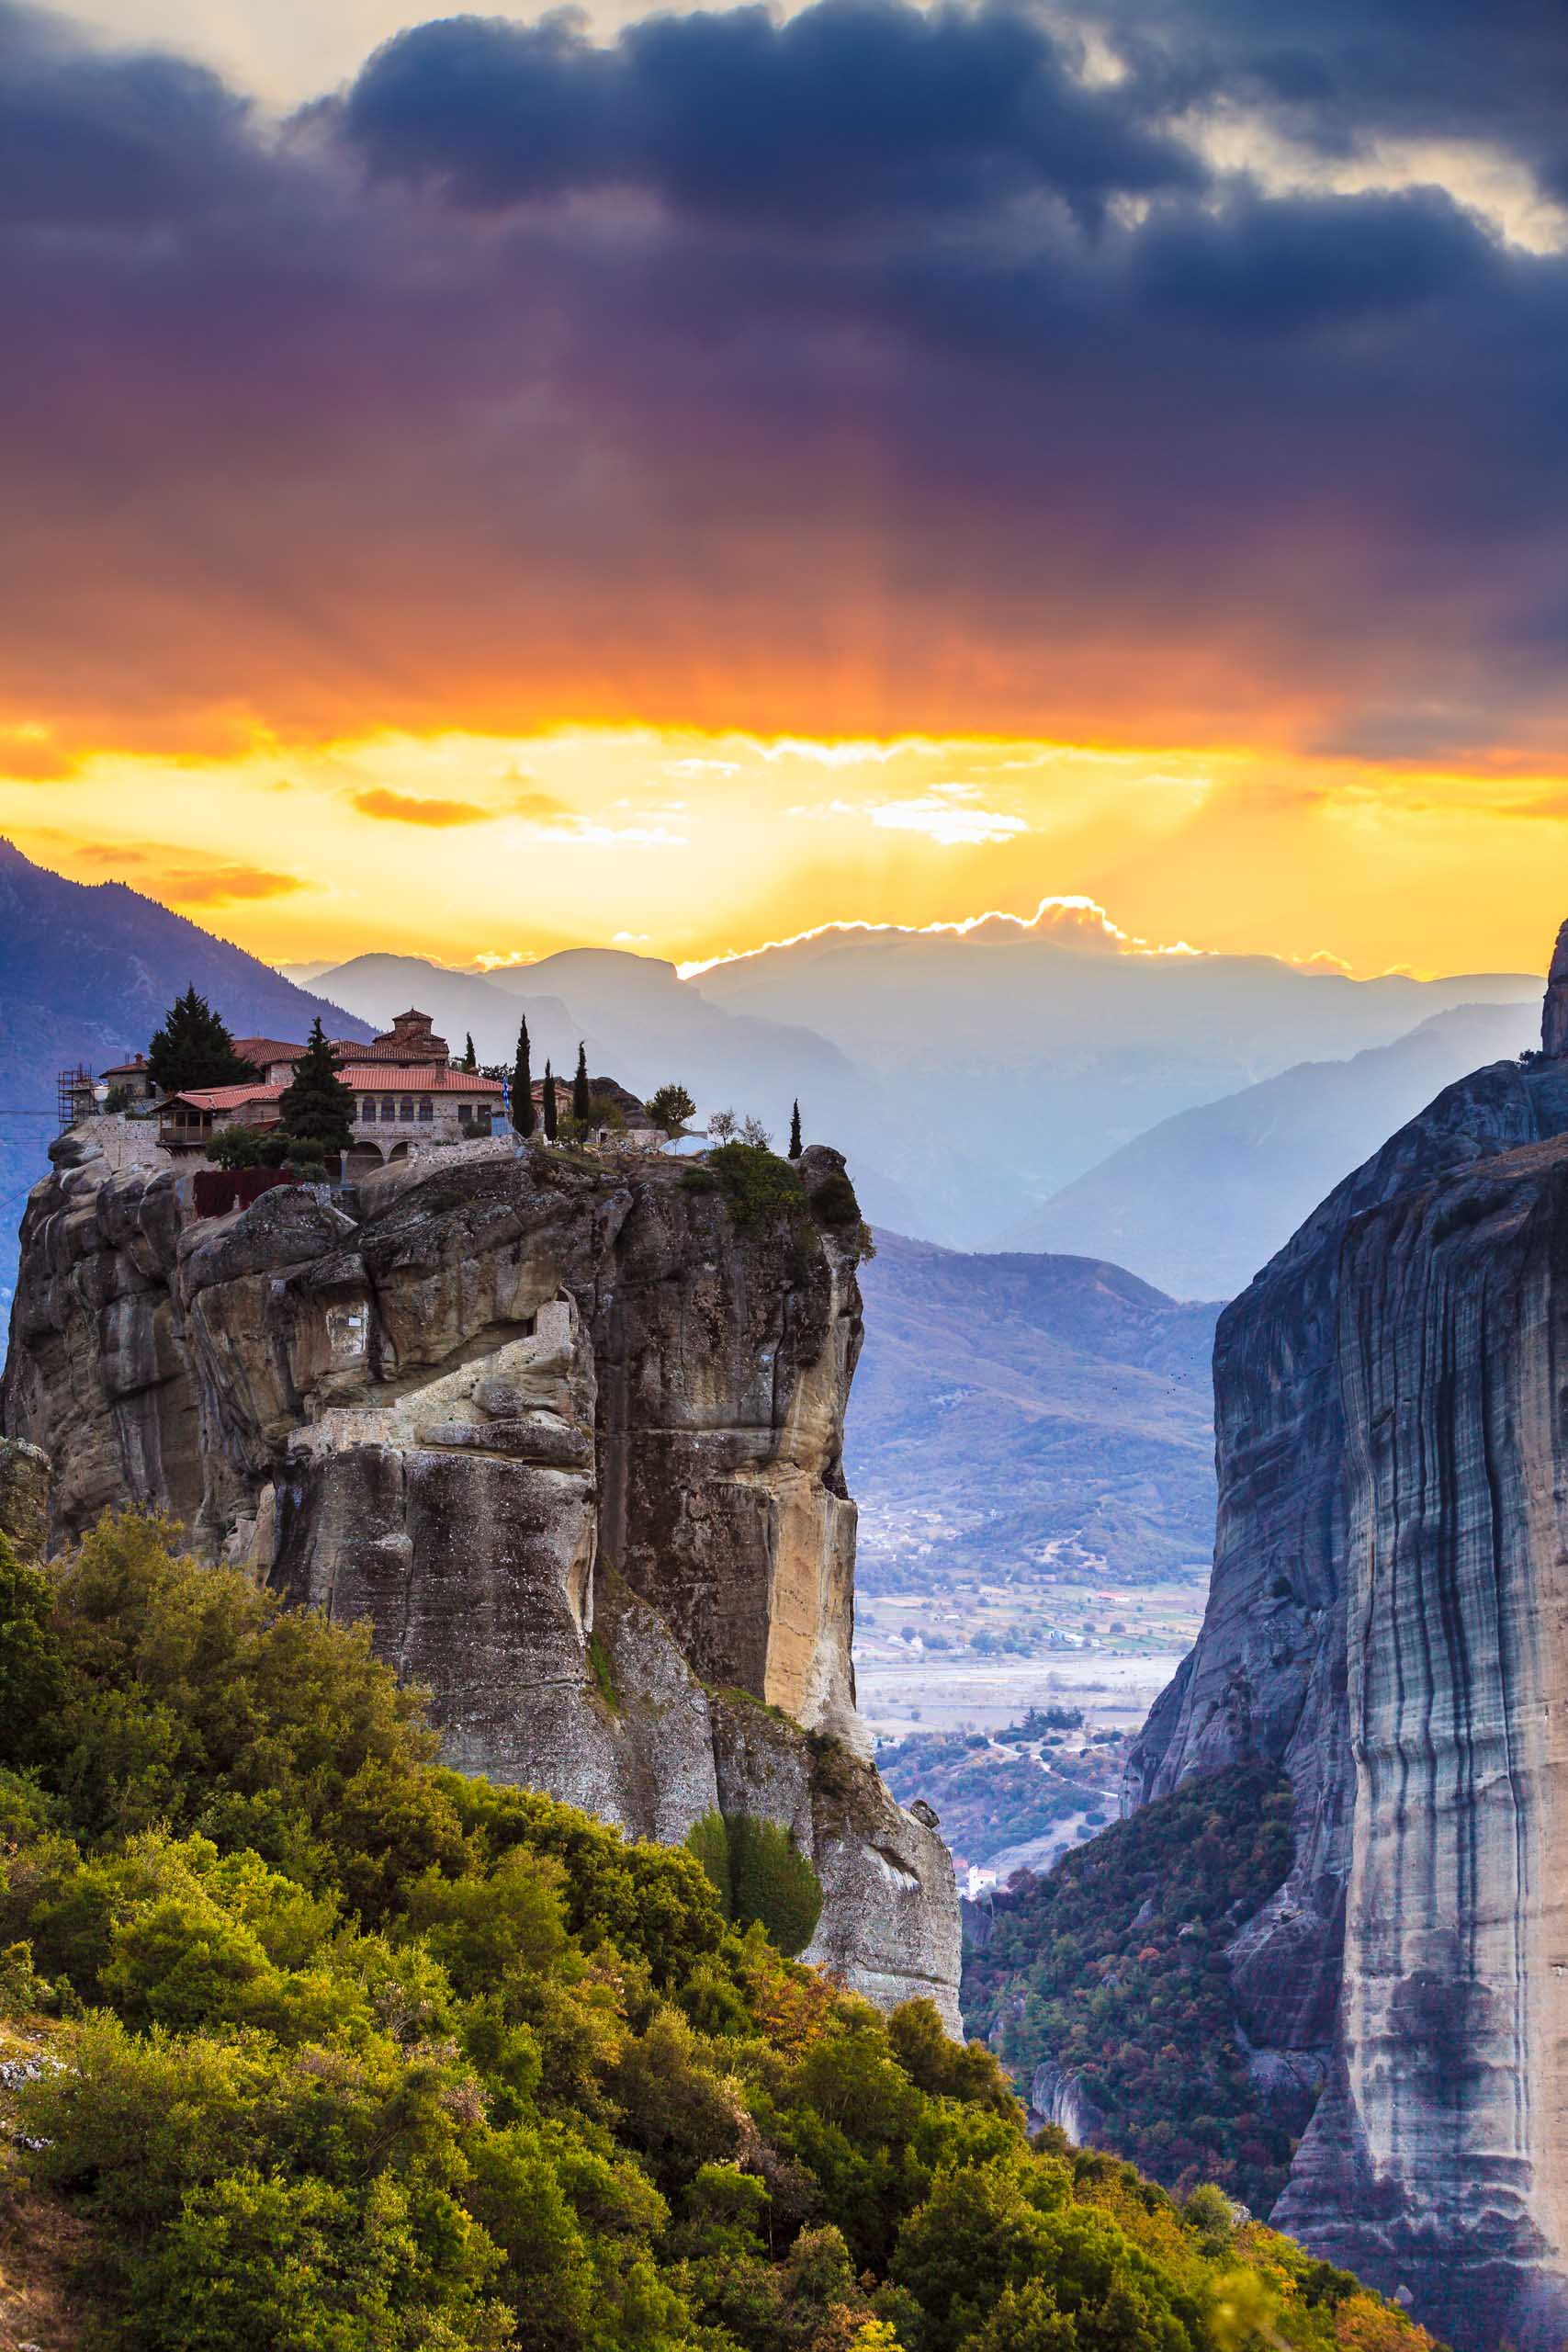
{"x": 794, "y": 1133}
{"x": 470, "y": 1060}
{"x": 317, "y": 1107}
{"x": 194, "y": 1049}
{"x": 581, "y": 1104}
{"x": 550, "y": 1105}
{"x": 523, "y": 1084}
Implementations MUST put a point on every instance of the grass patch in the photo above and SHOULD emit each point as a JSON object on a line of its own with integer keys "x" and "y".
{"x": 599, "y": 1659}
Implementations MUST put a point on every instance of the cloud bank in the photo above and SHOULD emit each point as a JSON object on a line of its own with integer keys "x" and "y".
{"x": 869, "y": 372}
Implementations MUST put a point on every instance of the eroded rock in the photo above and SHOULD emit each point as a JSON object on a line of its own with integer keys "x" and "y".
{"x": 569, "y": 1436}
{"x": 1384, "y": 1621}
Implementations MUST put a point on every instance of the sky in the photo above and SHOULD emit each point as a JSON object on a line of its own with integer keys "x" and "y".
{"x": 480, "y": 485}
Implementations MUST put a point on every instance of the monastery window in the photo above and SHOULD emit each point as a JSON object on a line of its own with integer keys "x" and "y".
{"x": 388, "y": 1108}
{"x": 406, "y": 1110}
{"x": 367, "y": 1109}
{"x": 427, "y": 1108}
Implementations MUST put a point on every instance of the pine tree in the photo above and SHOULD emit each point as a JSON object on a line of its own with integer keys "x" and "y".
{"x": 317, "y": 1107}
{"x": 581, "y": 1102}
{"x": 194, "y": 1049}
{"x": 470, "y": 1060}
{"x": 523, "y": 1084}
{"x": 550, "y": 1105}
{"x": 794, "y": 1133}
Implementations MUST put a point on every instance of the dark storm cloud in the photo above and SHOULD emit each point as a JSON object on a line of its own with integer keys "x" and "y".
{"x": 927, "y": 390}
{"x": 85, "y": 138}
{"x": 852, "y": 108}
{"x": 1343, "y": 74}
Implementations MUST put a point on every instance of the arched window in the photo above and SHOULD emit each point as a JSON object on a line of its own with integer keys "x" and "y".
{"x": 426, "y": 1108}
{"x": 367, "y": 1109}
{"x": 406, "y": 1108}
{"x": 388, "y": 1108}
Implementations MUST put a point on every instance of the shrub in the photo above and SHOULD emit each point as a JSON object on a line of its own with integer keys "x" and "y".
{"x": 757, "y": 1185}
{"x": 760, "y": 1874}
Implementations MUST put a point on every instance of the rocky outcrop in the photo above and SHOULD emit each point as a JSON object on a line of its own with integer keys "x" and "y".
{"x": 1056, "y": 2096}
{"x": 568, "y": 1434}
{"x": 1555, "y": 1011}
{"x": 1382, "y": 1622}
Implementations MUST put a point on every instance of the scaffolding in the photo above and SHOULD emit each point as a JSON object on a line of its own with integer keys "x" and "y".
{"x": 69, "y": 1085}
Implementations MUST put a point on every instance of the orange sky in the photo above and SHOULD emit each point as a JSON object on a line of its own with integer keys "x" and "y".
{"x": 863, "y": 463}
{"x": 689, "y": 846}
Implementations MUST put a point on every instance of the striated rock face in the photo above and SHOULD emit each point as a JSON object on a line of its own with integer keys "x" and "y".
{"x": 570, "y": 1438}
{"x": 1439, "y": 2155}
{"x": 1555, "y": 1011}
{"x": 1387, "y": 1554}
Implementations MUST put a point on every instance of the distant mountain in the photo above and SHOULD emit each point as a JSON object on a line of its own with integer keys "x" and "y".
{"x": 1203, "y": 1200}
{"x": 1045, "y": 1413}
{"x": 1011, "y": 1059}
{"x": 377, "y": 987}
{"x": 86, "y": 974}
{"x": 643, "y": 1024}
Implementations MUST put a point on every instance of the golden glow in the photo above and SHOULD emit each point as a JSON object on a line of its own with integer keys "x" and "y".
{"x": 697, "y": 845}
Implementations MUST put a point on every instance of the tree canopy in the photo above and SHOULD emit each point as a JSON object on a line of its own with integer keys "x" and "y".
{"x": 341, "y": 2051}
{"x": 522, "y": 1113}
{"x": 670, "y": 1107}
{"x": 194, "y": 1049}
{"x": 317, "y": 1108}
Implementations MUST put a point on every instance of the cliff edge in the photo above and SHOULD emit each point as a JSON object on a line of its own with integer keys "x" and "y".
{"x": 570, "y": 1436}
{"x": 1386, "y": 1620}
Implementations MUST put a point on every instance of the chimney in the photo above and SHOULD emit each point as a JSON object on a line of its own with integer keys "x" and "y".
{"x": 1555, "y": 1011}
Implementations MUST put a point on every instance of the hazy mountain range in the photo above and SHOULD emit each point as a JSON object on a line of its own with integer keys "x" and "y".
{"x": 86, "y": 974}
{"x": 969, "y": 1076}
{"x": 1203, "y": 1200}
{"x": 1054, "y": 1408}
{"x": 1031, "y": 1413}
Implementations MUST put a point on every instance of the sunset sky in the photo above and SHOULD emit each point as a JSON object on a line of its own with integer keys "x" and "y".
{"x": 678, "y": 479}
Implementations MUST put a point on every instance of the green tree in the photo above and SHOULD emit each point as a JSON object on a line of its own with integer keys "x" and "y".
{"x": 470, "y": 1060}
{"x": 523, "y": 1113}
{"x": 671, "y": 1107}
{"x": 794, "y": 1143}
{"x": 582, "y": 1099}
{"x": 317, "y": 1107}
{"x": 549, "y": 1104}
{"x": 32, "y": 1669}
{"x": 241, "y": 1147}
{"x": 760, "y": 1874}
{"x": 194, "y": 1049}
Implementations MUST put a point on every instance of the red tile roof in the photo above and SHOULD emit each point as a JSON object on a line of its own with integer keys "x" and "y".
{"x": 227, "y": 1098}
{"x": 384, "y": 1051}
{"x": 415, "y": 1077}
{"x": 266, "y": 1049}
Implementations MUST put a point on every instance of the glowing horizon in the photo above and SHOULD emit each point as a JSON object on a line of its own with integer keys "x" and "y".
{"x": 699, "y": 848}
{"x": 835, "y": 502}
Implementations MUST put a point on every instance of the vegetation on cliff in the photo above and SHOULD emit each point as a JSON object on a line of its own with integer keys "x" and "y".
{"x": 335, "y": 2050}
{"x": 1113, "y": 1967}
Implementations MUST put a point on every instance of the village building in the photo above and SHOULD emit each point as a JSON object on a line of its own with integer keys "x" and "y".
{"x": 405, "y": 1092}
{"x": 130, "y": 1077}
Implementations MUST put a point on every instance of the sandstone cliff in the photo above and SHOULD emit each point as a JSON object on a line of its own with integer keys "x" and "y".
{"x": 568, "y": 1435}
{"x": 1381, "y": 1621}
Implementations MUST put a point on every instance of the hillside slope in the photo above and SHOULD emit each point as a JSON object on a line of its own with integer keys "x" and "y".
{"x": 1041, "y": 1410}
{"x": 378, "y": 2055}
{"x": 1203, "y": 1200}
{"x": 86, "y": 974}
